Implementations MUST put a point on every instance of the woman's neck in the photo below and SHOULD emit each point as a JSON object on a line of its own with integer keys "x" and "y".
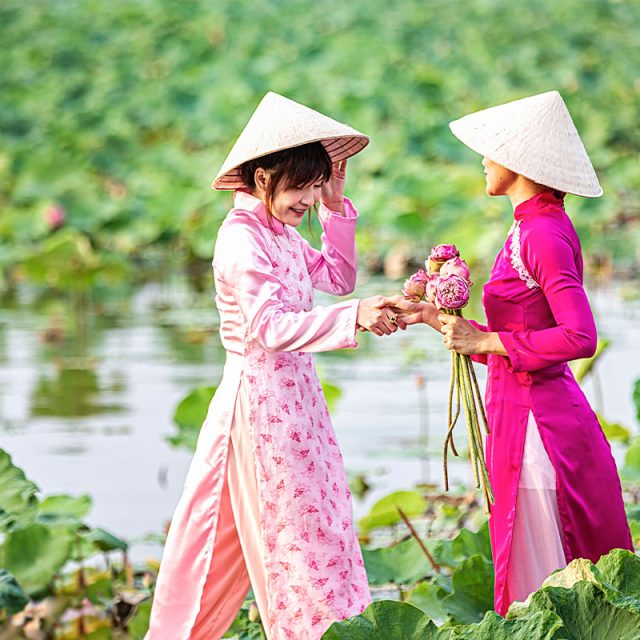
{"x": 523, "y": 189}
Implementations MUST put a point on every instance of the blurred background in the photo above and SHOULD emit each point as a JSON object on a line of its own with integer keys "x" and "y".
{"x": 114, "y": 118}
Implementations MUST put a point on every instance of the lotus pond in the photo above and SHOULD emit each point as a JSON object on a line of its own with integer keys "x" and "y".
{"x": 101, "y": 404}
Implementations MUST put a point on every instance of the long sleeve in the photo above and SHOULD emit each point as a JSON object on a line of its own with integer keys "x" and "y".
{"x": 334, "y": 269}
{"x": 243, "y": 269}
{"x": 547, "y": 251}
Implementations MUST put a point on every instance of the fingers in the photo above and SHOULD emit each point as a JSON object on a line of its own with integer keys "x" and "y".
{"x": 393, "y": 301}
{"x": 387, "y": 321}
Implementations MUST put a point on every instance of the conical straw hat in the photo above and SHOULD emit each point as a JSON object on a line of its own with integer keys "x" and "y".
{"x": 534, "y": 137}
{"x": 279, "y": 123}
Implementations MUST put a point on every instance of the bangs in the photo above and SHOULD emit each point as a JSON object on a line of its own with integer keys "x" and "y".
{"x": 305, "y": 165}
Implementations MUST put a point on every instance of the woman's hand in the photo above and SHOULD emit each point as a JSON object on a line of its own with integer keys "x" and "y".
{"x": 461, "y": 336}
{"x": 374, "y": 316}
{"x": 414, "y": 312}
{"x": 332, "y": 195}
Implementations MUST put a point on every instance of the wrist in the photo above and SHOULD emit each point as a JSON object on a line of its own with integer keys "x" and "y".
{"x": 430, "y": 315}
{"x": 488, "y": 343}
{"x": 336, "y": 206}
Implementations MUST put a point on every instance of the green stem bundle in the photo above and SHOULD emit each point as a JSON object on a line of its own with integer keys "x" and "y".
{"x": 466, "y": 391}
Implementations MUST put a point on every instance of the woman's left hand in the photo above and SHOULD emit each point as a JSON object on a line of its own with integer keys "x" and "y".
{"x": 332, "y": 195}
{"x": 460, "y": 335}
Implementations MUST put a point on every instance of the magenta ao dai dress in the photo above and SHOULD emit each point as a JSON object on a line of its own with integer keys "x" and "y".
{"x": 267, "y": 446}
{"x": 535, "y": 300}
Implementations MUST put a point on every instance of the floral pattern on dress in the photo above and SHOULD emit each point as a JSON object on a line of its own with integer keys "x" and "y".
{"x": 314, "y": 567}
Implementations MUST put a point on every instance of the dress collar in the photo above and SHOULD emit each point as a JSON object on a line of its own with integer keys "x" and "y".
{"x": 245, "y": 201}
{"x": 539, "y": 202}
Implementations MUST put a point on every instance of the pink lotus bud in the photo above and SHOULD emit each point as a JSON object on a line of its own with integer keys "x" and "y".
{"x": 55, "y": 216}
{"x": 452, "y": 292}
{"x": 414, "y": 287}
{"x": 430, "y": 291}
{"x": 439, "y": 255}
{"x": 455, "y": 267}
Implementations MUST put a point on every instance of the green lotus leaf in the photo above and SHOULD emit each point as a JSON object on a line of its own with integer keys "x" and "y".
{"x": 587, "y": 612}
{"x": 78, "y": 507}
{"x": 543, "y": 625}
{"x": 472, "y": 593}
{"x": 384, "y": 620}
{"x": 190, "y": 415}
{"x": 12, "y": 597}
{"x": 385, "y": 511}
{"x": 403, "y": 563}
{"x": 35, "y": 554}
{"x": 18, "y": 501}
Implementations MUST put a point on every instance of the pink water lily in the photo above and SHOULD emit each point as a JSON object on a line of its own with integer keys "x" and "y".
{"x": 455, "y": 267}
{"x": 430, "y": 290}
{"x": 452, "y": 292}
{"x": 55, "y": 216}
{"x": 414, "y": 287}
{"x": 439, "y": 255}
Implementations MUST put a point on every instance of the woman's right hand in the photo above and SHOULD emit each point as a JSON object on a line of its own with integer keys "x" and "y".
{"x": 374, "y": 316}
{"x": 414, "y": 312}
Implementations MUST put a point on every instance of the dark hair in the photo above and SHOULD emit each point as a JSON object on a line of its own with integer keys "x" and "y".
{"x": 294, "y": 168}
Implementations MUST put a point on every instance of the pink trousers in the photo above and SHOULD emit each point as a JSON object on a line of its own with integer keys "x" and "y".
{"x": 536, "y": 547}
{"x": 237, "y": 563}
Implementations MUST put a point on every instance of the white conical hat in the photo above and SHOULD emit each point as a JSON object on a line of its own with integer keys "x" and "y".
{"x": 279, "y": 123}
{"x": 534, "y": 137}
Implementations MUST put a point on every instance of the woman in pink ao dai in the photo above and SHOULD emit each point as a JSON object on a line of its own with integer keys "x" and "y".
{"x": 266, "y": 501}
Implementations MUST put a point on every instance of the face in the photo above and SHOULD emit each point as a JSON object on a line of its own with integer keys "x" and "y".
{"x": 500, "y": 180}
{"x": 290, "y": 205}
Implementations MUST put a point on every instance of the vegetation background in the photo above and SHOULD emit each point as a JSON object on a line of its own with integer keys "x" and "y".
{"x": 114, "y": 118}
{"x": 121, "y": 113}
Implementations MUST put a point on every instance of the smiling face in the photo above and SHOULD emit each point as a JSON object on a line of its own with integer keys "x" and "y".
{"x": 500, "y": 180}
{"x": 289, "y": 205}
{"x": 289, "y": 182}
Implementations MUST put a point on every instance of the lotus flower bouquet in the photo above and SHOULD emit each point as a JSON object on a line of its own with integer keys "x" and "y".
{"x": 446, "y": 284}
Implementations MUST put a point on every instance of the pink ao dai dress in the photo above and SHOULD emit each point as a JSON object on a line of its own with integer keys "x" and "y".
{"x": 266, "y": 500}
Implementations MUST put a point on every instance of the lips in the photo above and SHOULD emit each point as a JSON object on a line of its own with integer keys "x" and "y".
{"x": 298, "y": 212}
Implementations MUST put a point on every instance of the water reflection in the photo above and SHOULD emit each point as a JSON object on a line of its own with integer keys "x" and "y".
{"x": 72, "y": 392}
{"x": 87, "y": 402}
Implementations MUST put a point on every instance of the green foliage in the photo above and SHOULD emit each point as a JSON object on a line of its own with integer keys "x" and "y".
{"x": 472, "y": 593}
{"x": 636, "y": 397}
{"x": 35, "y": 554}
{"x": 66, "y": 505}
{"x": 18, "y": 501}
{"x": 190, "y": 415}
{"x": 121, "y": 113}
{"x": 631, "y": 470}
{"x": 582, "y": 368}
{"x": 404, "y": 563}
{"x": 385, "y": 511}
{"x": 583, "y": 601}
{"x": 12, "y": 597}
{"x": 40, "y": 537}
{"x": 332, "y": 393}
{"x": 139, "y": 623}
{"x": 543, "y": 625}
{"x": 383, "y": 620}
{"x": 614, "y": 431}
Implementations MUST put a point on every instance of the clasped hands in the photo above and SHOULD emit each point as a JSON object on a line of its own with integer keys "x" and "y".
{"x": 385, "y": 315}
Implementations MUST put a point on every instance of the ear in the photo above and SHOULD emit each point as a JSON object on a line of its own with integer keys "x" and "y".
{"x": 261, "y": 178}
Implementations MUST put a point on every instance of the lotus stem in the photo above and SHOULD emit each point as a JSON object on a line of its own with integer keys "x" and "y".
{"x": 436, "y": 567}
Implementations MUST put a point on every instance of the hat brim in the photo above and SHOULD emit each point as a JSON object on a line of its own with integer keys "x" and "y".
{"x": 339, "y": 148}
